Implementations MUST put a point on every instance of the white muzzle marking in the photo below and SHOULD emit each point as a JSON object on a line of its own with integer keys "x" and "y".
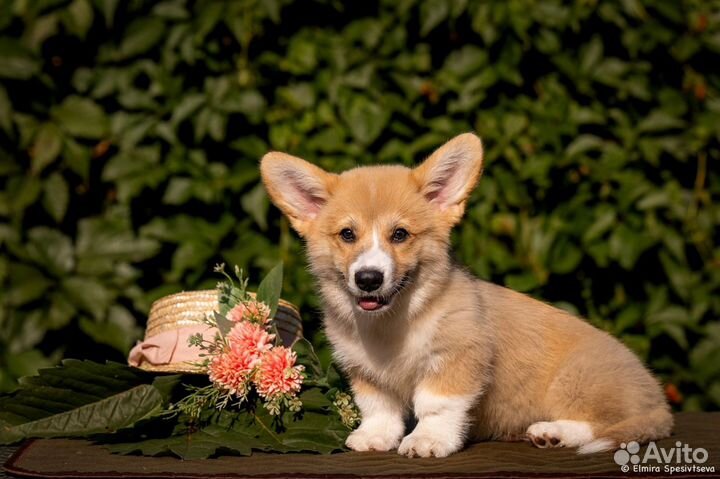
{"x": 374, "y": 258}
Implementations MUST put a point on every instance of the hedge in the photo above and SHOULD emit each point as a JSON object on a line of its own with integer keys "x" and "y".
{"x": 130, "y": 134}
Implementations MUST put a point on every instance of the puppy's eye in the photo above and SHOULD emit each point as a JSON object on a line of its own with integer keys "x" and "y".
{"x": 347, "y": 235}
{"x": 400, "y": 235}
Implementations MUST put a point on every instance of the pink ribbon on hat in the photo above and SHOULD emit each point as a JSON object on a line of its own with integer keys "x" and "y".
{"x": 169, "y": 347}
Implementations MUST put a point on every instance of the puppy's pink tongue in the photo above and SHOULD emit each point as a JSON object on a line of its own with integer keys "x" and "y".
{"x": 369, "y": 304}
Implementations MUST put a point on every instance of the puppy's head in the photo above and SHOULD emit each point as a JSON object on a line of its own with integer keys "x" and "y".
{"x": 373, "y": 231}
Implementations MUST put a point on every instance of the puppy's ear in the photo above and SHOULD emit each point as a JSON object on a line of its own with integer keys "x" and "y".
{"x": 448, "y": 176}
{"x": 298, "y": 188}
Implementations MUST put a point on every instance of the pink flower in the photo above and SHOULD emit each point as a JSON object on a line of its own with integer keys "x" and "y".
{"x": 277, "y": 373}
{"x": 231, "y": 370}
{"x": 251, "y": 310}
{"x": 250, "y": 338}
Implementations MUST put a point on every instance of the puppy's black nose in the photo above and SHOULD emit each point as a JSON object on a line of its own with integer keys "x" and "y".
{"x": 369, "y": 279}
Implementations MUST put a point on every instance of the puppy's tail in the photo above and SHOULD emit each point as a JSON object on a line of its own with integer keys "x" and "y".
{"x": 656, "y": 424}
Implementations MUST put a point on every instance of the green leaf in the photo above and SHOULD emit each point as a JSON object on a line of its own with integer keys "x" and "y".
{"x": 522, "y": 282}
{"x": 270, "y": 288}
{"x": 77, "y": 158}
{"x": 51, "y": 250}
{"x": 56, "y": 196}
{"x": 141, "y": 36}
{"x": 46, "y": 149}
{"x": 639, "y": 344}
{"x": 112, "y": 239}
{"x": 626, "y": 245}
{"x": 61, "y": 311}
{"x": 256, "y": 204}
{"x": 79, "y": 17}
{"x": 250, "y": 102}
{"x": 178, "y": 191}
{"x": 118, "y": 331}
{"x": 108, "y": 7}
{"x": 564, "y": 256}
{"x": 466, "y": 61}
{"x": 88, "y": 294}
{"x": 591, "y": 54}
{"x": 432, "y": 12}
{"x": 107, "y": 415}
{"x": 603, "y": 222}
{"x": 582, "y": 144}
{"x": 166, "y": 385}
{"x": 81, "y": 117}
{"x": 333, "y": 377}
{"x": 313, "y": 399}
{"x": 365, "y": 118}
{"x": 27, "y": 284}
{"x": 188, "y": 105}
{"x": 307, "y": 357}
{"x": 22, "y": 364}
{"x": 16, "y": 62}
{"x": 79, "y": 398}
{"x": 323, "y": 433}
{"x": 658, "y": 121}
{"x": 628, "y": 318}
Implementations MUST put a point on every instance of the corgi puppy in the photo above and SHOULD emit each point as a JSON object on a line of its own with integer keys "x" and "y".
{"x": 416, "y": 333}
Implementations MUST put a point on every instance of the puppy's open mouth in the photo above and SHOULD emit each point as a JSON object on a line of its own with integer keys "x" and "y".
{"x": 372, "y": 303}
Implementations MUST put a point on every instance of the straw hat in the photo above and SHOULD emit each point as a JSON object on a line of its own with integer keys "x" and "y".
{"x": 185, "y": 311}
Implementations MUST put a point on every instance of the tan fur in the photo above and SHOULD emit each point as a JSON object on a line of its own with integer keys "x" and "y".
{"x": 446, "y": 333}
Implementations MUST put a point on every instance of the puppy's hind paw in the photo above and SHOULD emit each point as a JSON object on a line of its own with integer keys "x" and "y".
{"x": 426, "y": 445}
{"x": 560, "y": 433}
{"x": 370, "y": 440}
{"x": 544, "y": 435}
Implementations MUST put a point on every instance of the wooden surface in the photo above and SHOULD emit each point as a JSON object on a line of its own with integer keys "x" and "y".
{"x": 5, "y": 453}
{"x": 76, "y": 458}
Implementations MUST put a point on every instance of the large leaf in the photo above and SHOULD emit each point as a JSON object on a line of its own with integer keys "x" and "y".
{"x": 79, "y": 398}
{"x": 107, "y": 415}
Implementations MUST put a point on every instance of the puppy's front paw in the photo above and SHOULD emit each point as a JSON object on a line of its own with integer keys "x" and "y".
{"x": 423, "y": 444}
{"x": 372, "y": 439}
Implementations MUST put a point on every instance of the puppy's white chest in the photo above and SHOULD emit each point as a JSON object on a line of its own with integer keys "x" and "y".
{"x": 395, "y": 358}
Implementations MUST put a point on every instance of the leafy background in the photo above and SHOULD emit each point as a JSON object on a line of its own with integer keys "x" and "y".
{"x": 130, "y": 134}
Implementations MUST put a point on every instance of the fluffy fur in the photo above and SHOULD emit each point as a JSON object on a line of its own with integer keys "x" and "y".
{"x": 471, "y": 360}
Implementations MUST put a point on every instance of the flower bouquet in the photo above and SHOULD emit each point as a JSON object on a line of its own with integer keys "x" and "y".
{"x": 255, "y": 394}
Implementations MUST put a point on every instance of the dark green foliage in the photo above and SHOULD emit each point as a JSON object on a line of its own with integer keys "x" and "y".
{"x": 130, "y": 134}
{"x": 131, "y": 411}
